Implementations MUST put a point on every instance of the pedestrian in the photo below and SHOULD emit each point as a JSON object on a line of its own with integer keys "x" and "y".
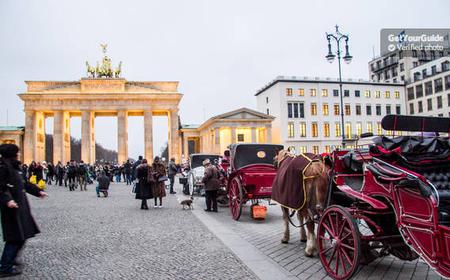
{"x": 145, "y": 183}
{"x": 159, "y": 175}
{"x": 50, "y": 173}
{"x": 135, "y": 165}
{"x": 17, "y": 222}
{"x": 127, "y": 168}
{"x": 72, "y": 175}
{"x": 172, "y": 172}
{"x": 103, "y": 184}
{"x": 212, "y": 184}
{"x": 82, "y": 174}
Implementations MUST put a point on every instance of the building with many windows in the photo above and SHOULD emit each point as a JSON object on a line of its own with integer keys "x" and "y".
{"x": 307, "y": 111}
{"x": 428, "y": 94}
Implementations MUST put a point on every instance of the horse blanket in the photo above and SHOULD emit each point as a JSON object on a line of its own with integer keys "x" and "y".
{"x": 288, "y": 187}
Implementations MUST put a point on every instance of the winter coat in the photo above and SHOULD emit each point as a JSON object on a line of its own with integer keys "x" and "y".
{"x": 211, "y": 178}
{"x": 145, "y": 187}
{"x": 103, "y": 183}
{"x": 159, "y": 170}
{"x": 17, "y": 223}
{"x": 172, "y": 169}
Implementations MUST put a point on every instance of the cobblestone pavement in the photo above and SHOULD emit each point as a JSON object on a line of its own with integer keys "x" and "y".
{"x": 85, "y": 237}
{"x": 266, "y": 237}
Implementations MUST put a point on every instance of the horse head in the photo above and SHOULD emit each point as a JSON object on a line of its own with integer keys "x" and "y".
{"x": 281, "y": 155}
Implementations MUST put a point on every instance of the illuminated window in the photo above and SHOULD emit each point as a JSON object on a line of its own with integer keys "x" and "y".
{"x": 347, "y": 109}
{"x": 367, "y": 93}
{"x": 313, "y": 109}
{"x": 397, "y": 94}
{"x": 302, "y": 129}
{"x": 348, "y": 130}
{"x": 326, "y": 130}
{"x": 240, "y": 137}
{"x": 336, "y": 109}
{"x": 325, "y": 109}
{"x": 369, "y": 127}
{"x": 303, "y": 149}
{"x": 387, "y": 94}
{"x": 301, "y": 92}
{"x": 379, "y": 128}
{"x": 377, "y": 94}
{"x": 337, "y": 129}
{"x": 324, "y": 92}
{"x": 288, "y": 92}
{"x": 291, "y": 130}
{"x": 312, "y": 91}
{"x": 327, "y": 149}
{"x": 314, "y": 130}
{"x": 315, "y": 149}
{"x": 358, "y": 128}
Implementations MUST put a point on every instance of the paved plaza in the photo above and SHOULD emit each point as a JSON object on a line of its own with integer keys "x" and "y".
{"x": 85, "y": 237}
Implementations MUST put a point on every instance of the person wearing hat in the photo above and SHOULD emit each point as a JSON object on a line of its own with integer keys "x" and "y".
{"x": 212, "y": 184}
{"x": 17, "y": 222}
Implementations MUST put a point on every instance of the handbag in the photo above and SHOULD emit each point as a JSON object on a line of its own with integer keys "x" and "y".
{"x": 163, "y": 178}
{"x": 135, "y": 187}
{"x": 41, "y": 184}
{"x": 33, "y": 179}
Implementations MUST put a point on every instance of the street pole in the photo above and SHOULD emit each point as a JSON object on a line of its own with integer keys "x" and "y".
{"x": 341, "y": 96}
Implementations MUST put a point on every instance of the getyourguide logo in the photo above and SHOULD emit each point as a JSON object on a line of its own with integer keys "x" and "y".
{"x": 415, "y": 38}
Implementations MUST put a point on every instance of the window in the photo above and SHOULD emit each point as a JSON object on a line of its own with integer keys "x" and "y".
{"x": 410, "y": 93}
{"x": 314, "y": 130}
{"x": 326, "y": 130}
{"x": 419, "y": 91}
{"x": 420, "y": 105}
{"x": 388, "y": 109}
{"x": 267, "y": 100}
{"x": 357, "y": 93}
{"x": 377, "y": 94}
{"x": 358, "y": 128}
{"x": 240, "y": 137}
{"x": 433, "y": 70}
{"x": 337, "y": 129}
{"x": 424, "y": 73}
{"x": 411, "y": 108}
{"x": 367, "y": 93}
{"x": 398, "y": 109}
{"x": 296, "y": 110}
{"x": 313, "y": 109}
{"x": 387, "y": 94}
{"x": 289, "y": 110}
{"x": 439, "y": 102}
{"x": 448, "y": 100}
{"x": 268, "y": 111}
{"x": 402, "y": 67}
{"x": 312, "y": 91}
{"x": 290, "y": 130}
{"x": 335, "y": 92}
{"x": 327, "y": 149}
{"x": 429, "y": 104}
{"x": 301, "y": 108}
{"x": 414, "y": 53}
{"x": 346, "y": 93}
{"x": 447, "y": 82}
{"x": 369, "y": 127}
{"x": 358, "y": 110}
{"x": 348, "y": 130}
{"x": 428, "y": 88}
{"x": 347, "y": 109}
{"x": 324, "y": 92}
{"x": 379, "y": 129}
{"x": 378, "y": 110}
{"x": 303, "y": 149}
{"x": 336, "y": 109}
{"x": 438, "y": 85}
{"x": 445, "y": 66}
{"x": 415, "y": 64}
{"x": 397, "y": 94}
{"x": 288, "y": 91}
{"x": 369, "y": 110}
{"x": 325, "y": 109}
{"x": 301, "y": 92}
{"x": 315, "y": 149}
{"x": 302, "y": 129}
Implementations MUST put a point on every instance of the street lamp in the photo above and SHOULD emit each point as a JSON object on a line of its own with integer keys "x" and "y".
{"x": 338, "y": 36}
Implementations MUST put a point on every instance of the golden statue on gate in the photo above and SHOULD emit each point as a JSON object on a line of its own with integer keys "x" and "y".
{"x": 104, "y": 70}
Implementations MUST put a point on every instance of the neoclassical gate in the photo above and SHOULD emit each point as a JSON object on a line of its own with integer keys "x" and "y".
{"x": 92, "y": 97}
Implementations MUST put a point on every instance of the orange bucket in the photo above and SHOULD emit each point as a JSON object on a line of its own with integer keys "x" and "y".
{"x": 259, "y": 212}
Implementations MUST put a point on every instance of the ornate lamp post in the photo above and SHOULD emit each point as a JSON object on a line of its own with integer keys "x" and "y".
{"x": 338, "y": 36}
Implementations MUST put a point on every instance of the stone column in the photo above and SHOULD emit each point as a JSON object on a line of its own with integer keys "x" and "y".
{"x": 254, "y": 139}
{"x": 268, "y": 134}
{"x": 217, "y": 141}
{"x": 148, "y": 135}
{"x": 122, "y": 134}
{"x": 233, "y": 135}
{"x": 185, "y": 147}
{"x": 29, "y": 138}
{"x": 61, "y": 137}
{"x": 87, "y": 137}
{"x": 174, "y": 149}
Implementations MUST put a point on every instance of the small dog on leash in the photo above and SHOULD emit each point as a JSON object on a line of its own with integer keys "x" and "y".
{"x": 189, "y": 203}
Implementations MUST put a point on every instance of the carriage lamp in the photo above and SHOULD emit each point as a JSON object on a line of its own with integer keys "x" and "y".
{"x": 338, "y": 36}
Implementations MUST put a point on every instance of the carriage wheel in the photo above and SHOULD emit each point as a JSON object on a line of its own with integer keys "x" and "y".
{"x": 235, "y": 197}
{"x": 338, "y": 242}
{"x": 191, "y": 181}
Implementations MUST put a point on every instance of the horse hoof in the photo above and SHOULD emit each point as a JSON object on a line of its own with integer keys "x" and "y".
{"x": 309, "y": 255}
{"x": 303, "y": 240}
{"x": 284, "y": 241}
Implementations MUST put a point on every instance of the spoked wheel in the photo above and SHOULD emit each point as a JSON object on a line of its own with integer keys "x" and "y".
{"x": 191, "y": 182}
{"x": 236, "y": 198}
{"x": 338, "y": 242}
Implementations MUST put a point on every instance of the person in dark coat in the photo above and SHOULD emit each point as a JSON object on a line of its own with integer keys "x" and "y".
{"x": 17, "y": 222}
{"x": 145, "y": 187}
{"x": 212, "y": 184}
{"x": 127, "y": 169}
{"x": 172, "y": 173}
{"x": 159, "y": 173}
{"x": 103, "y": 184}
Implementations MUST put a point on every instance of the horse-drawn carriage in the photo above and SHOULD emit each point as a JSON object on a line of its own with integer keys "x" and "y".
{"x": 251, "y": 174}
{"x": 391, "y": 198}
{"x": 197, "y": 171}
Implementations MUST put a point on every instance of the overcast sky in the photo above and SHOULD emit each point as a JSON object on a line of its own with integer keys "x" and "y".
{"x": 220, "y": 51}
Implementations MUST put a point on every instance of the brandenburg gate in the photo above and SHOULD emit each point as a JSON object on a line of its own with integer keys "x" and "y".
{"x": 102, "y": 93}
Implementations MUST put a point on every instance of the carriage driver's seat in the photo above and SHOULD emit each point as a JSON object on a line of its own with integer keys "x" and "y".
{"x": 351, "y": 163}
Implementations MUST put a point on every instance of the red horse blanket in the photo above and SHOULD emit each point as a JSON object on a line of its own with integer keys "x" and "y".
{"x": 288, "y": 188}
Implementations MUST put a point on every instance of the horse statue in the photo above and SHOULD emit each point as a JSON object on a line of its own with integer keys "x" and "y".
{"x": 91, "y": 71}
{"x": 118, "y": 70}
{"x": 301, "y": 185}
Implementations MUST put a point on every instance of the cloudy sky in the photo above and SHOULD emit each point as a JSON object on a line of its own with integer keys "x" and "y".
{"x": 220, "y": 51}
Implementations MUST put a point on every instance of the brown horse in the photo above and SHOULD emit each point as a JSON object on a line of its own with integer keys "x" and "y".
{"x": 301, "y": 184}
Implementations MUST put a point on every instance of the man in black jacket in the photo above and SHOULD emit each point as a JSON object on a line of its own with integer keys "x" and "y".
{"x": 17, "y": 222}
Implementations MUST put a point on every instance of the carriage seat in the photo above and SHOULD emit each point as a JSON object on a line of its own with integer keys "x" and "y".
{"x": 352, "y": 162}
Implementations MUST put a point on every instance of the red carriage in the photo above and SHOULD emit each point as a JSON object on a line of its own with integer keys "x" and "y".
{"x": 392, "y": 198}
{"x": 251, "y": 174}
